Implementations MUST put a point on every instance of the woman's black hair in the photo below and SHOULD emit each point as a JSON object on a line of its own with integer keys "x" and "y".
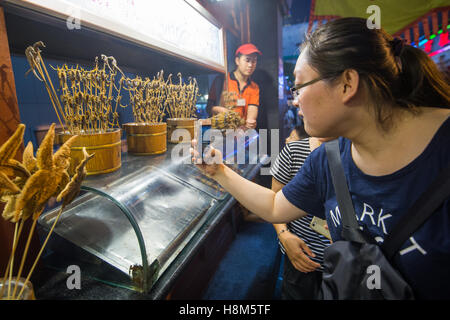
{"x": 393, "y": 73}
{"x": 301, "y": 133}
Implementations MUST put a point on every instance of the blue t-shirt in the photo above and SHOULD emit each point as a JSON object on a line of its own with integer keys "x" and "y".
{"x": 379, "y": 201}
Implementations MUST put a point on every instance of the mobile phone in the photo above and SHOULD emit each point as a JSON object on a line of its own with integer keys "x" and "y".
{"x": 318, "y": 225}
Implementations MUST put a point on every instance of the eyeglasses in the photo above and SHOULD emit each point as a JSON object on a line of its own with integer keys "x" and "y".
{"x": 295, "y": 90}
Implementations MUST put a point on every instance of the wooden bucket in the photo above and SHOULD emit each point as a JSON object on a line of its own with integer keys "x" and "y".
{"x": 107, "y": 149}
{"x": 180, "y": 123}
{"x": 146, "y": 138}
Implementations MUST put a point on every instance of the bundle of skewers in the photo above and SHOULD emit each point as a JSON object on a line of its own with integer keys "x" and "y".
{"x": 227, "y": 120}
{"x": 26, "y": 187}
{"x": 147, "y": 98}
{"x": 229, "y": 99}
{"x": 87, "y": 103}
{"x": 181, "y": 98}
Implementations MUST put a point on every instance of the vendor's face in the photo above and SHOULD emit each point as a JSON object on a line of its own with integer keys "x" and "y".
{"x": 319, "y": 102}
{"x": 246, "y": 64}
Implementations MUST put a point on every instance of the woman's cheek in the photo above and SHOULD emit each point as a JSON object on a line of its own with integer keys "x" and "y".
{"x": 305, "y": 112}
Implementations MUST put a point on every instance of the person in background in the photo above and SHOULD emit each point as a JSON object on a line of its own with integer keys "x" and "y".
{"x": 301, "y": 246}
{"x": 246, "y": 92}
{"x": 296, "y": 134}
{"x": 390, "y": 106}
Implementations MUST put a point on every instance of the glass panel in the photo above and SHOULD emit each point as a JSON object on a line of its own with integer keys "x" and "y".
{"x": 166, "y": 210}
{"x": 98, "y": 225}
{"x": 193, "y": 176}
{"x": 163, "y": 206}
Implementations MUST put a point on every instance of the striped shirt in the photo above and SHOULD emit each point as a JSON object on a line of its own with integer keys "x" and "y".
{"x": 288, "y": 162}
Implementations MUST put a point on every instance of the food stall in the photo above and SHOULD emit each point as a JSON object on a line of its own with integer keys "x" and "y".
{"x": 134, "y": 230}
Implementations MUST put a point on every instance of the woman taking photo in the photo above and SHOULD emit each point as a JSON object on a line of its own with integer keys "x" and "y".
{"x": 390, "y": 105}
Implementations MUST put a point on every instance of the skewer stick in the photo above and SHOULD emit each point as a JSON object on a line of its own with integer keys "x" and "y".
{"x": 51, "y": 84}
{"x": 12, "y": 260}
{"x": 40, "y": 252}
{"x": 49, "y": 93}
{"x": 24, "y": 256}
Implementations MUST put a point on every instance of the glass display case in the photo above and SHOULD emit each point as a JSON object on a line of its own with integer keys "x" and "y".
{"x": 138, "y": 219}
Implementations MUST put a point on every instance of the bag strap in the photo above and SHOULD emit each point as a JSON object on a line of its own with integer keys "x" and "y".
{"x": 422, "y": 209}
{"x": 350, "y": 227}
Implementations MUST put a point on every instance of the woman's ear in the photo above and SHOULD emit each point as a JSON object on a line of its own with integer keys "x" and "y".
{"x": 349, "y": 85}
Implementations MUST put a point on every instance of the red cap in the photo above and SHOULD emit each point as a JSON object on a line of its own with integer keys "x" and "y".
{"x": 247, "y": 48}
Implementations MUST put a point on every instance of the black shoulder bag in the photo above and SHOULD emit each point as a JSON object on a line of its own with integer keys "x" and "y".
{"x": 357, "y": 267}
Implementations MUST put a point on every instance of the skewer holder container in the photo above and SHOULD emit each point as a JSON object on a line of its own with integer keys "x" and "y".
{"x": 107, "y": 149}
{"x": 180, "y": 136}
{"x": 146, "y": 138}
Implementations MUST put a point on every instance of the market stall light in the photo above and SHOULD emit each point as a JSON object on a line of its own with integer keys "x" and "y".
{"x": 443, "y": 40}
{"x": 188, "y": 33}
{"x": 428, "y": 46}
{"x": 439, "y": 51}
{"x": 439, "y": 32}
{"x": 423, "y": 42}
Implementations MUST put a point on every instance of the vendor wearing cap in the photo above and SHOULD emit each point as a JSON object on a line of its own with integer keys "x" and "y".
{"x": 247, "y": 91}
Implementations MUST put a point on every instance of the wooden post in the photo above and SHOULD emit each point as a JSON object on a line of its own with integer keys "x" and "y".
{"x": 247, "y": 22}
{"x": 242, "y": 24}
{"x": 244, "y": 13}
{"x": 9, "y": 120}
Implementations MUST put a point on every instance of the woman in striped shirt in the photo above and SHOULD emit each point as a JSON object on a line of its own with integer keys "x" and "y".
{"x": 303, "y": 248}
